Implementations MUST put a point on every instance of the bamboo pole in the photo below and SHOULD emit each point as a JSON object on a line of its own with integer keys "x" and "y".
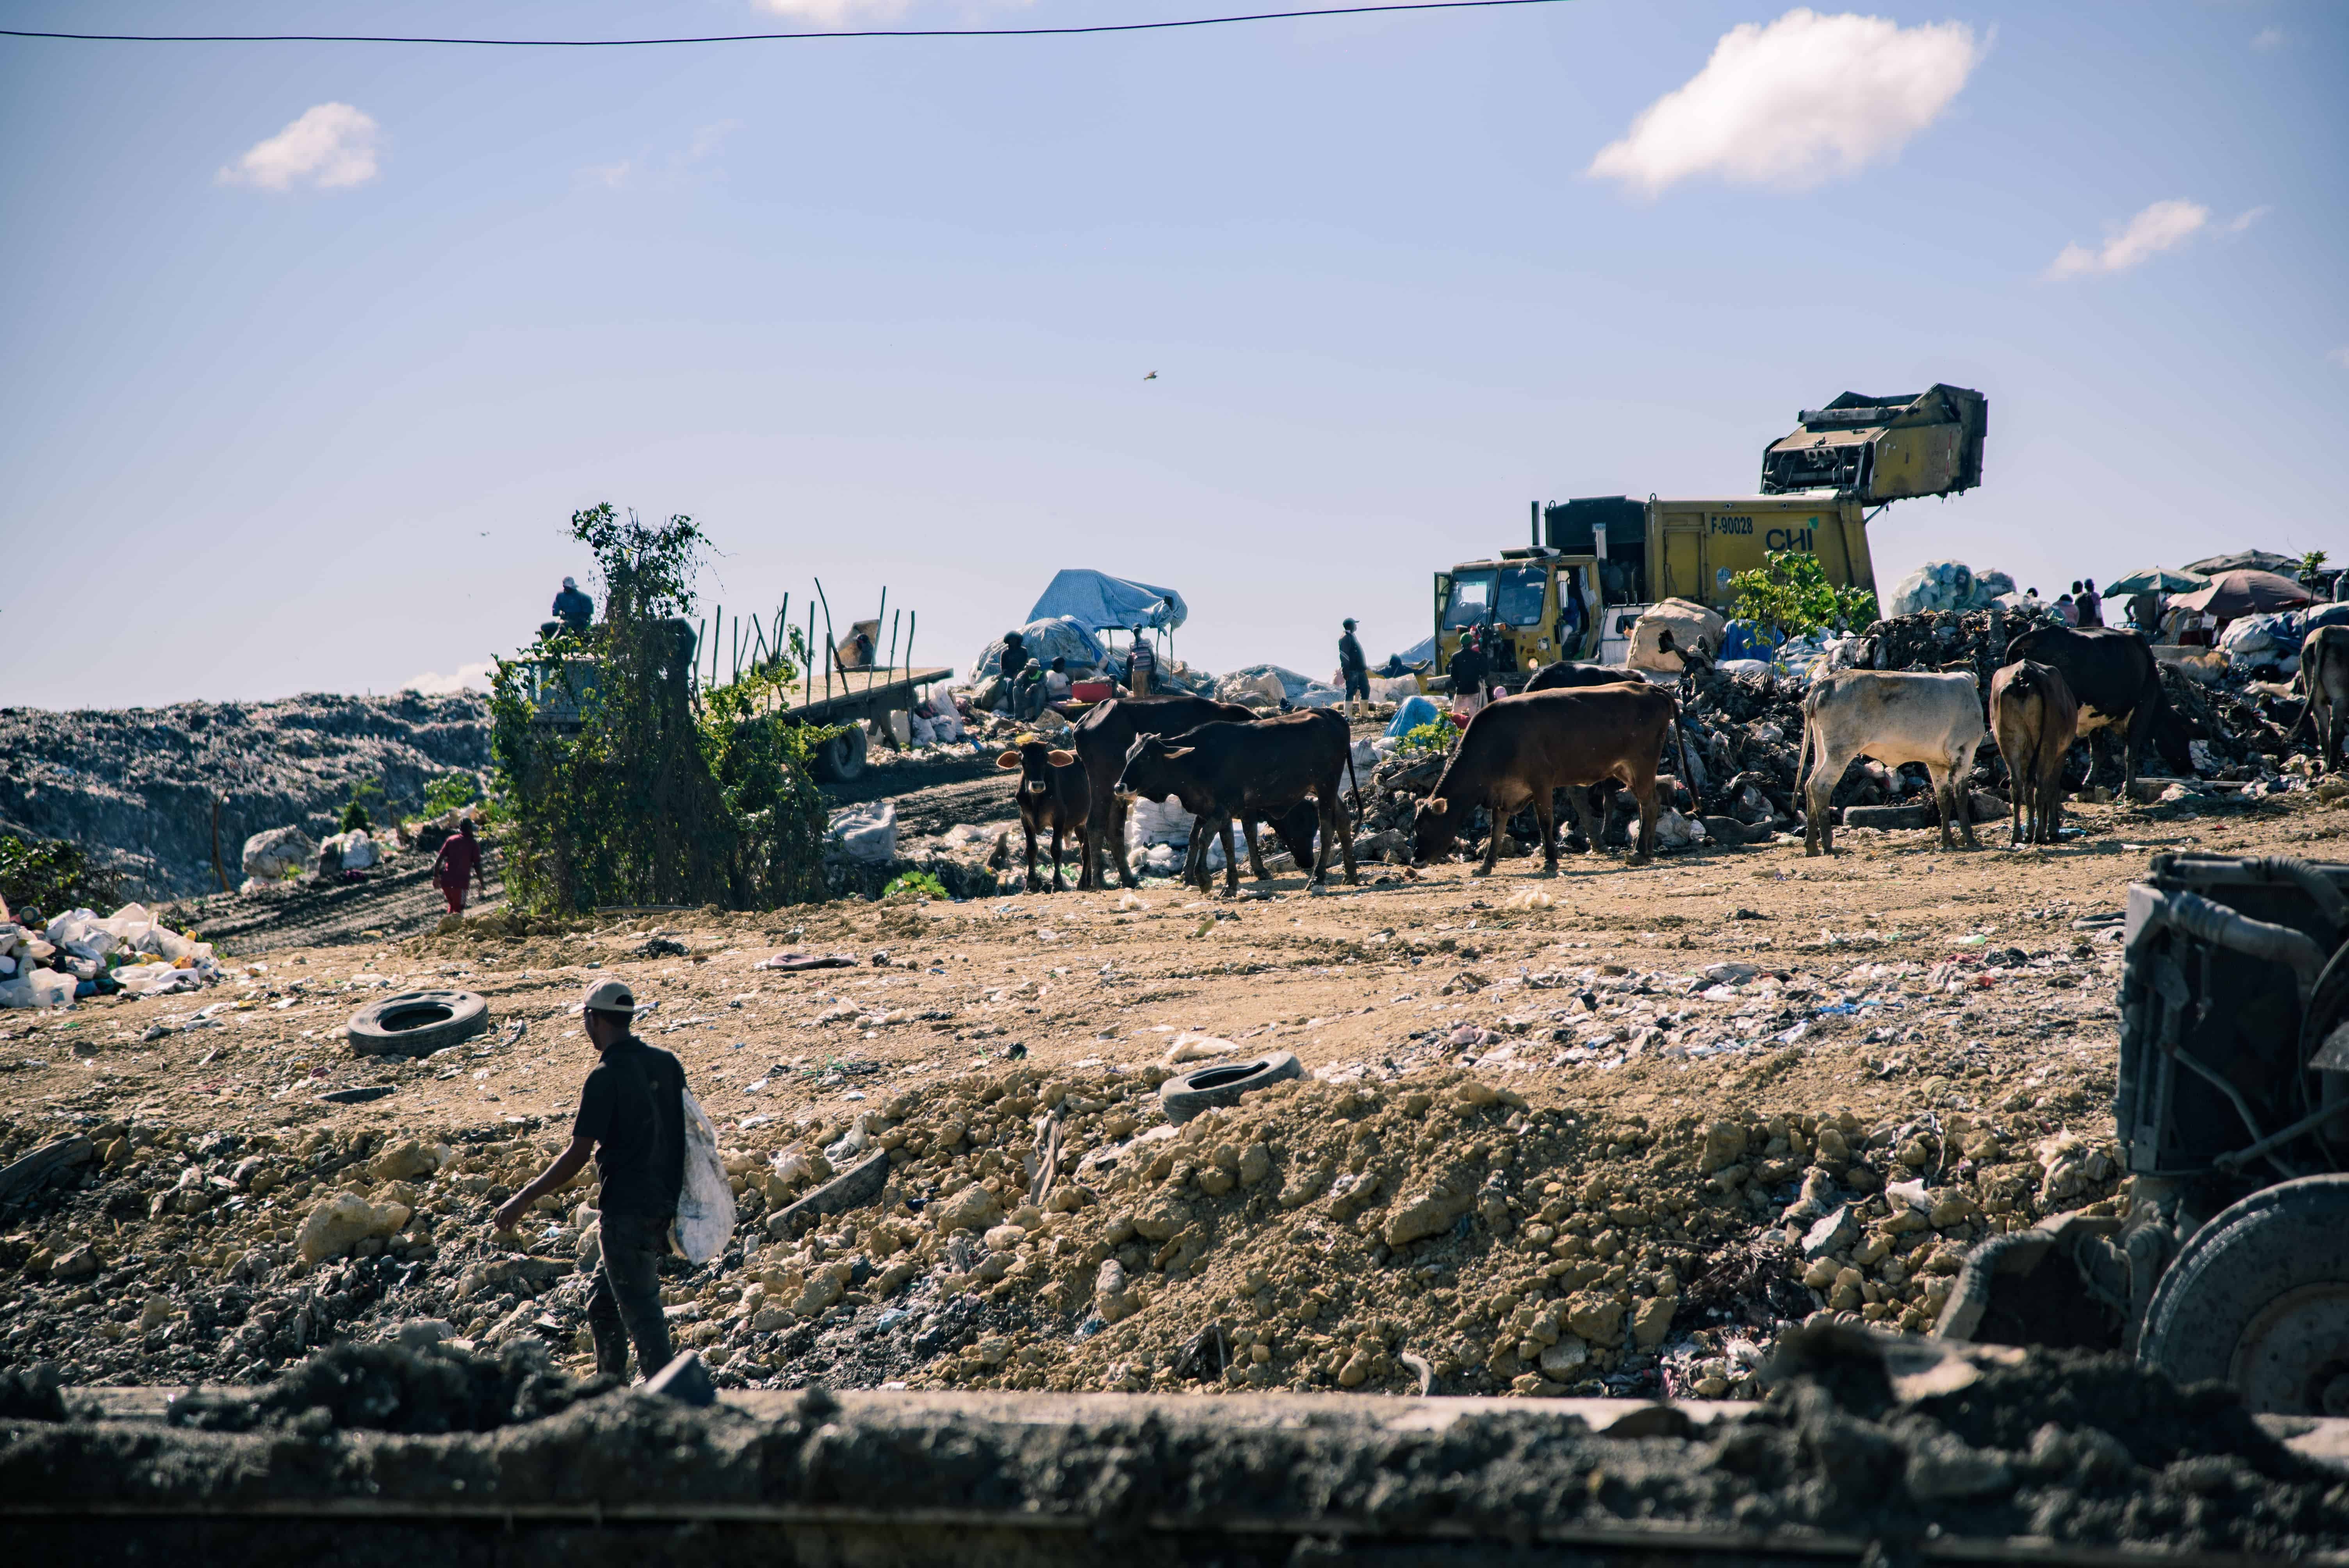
{"x": 831, "y": 643}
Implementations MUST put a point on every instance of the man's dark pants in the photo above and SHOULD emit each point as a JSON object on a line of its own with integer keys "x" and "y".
{"x": 626, "y": 1306}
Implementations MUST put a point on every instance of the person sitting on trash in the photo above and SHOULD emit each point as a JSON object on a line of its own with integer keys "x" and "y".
{"x": 1353, "y": 668}
{"x": 1014, "y": 659}
{"x": 572, "y": 608}
{"x": 460, "y": 859}
{"x": 1140, "y": 664}
{"x": 632, "y": 1118}
{"x": 1056, "y": 680}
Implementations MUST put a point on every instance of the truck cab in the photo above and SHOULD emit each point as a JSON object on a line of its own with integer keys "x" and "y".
{"x": 1542, "y": 605}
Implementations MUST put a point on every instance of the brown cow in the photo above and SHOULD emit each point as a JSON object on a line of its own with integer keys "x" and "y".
{"x": 2036, "y": 719}
{"x": 1105, "y": 735}
{"x": 1520, "y": 749}
{"x": 1053, "y": 792}
{"x": 1252, "y": 771}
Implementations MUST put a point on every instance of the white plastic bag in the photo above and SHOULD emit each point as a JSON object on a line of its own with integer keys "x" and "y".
{"x": 867, "y": 833}
{"x": 705, "y": 1206}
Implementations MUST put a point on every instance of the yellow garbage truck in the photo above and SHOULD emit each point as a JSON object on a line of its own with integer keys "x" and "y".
{"x": 1593, "y": 565}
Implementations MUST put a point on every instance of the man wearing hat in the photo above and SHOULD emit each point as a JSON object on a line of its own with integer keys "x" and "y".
{"x": 1354, "y": 669}
{"x": 632, "y": 1118}
{"x": 1140, "y": 663}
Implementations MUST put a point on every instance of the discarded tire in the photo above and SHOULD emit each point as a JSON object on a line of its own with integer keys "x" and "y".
{"x": 842, "y": 756}
{"x": 417, "y": 1023}
{"x": 1186, "y": 1096}
{"x": 2259, "y": 1300}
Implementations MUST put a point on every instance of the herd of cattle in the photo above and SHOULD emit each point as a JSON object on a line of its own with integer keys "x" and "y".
{"x": 1577, "y": 726}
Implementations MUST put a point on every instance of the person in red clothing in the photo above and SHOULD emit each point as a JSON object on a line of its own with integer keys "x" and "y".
{"x": 460, "y": 859}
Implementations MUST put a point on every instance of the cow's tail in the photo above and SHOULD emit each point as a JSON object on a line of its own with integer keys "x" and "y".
{"x": 1353, "y": 777}
{"x": 1680, "y": 746}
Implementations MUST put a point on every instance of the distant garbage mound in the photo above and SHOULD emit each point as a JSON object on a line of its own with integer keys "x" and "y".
{"x": 1947, "y": 585}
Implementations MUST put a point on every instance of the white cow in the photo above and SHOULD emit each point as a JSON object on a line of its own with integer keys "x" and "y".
{"x": 1896, "y": 718}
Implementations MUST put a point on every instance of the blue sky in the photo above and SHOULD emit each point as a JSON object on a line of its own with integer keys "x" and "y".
{"x": 312, "y": 349}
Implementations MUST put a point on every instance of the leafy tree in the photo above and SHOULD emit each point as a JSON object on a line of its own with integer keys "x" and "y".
{"x": 356, "y": 817}
{"x": 1790, "y": 595}
{"x": 2311, "y": 565}
{"x": 634, "y": 798}
{"x": 450, "y": 792}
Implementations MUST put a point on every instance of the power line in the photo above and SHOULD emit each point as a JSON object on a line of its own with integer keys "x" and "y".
{"x": 772, "y": 37}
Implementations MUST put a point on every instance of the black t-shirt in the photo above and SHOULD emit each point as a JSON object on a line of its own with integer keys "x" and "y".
{"x": 634, "y": 1108}
{"x": 1014, "y": 659}
{"x": 1350, "y": 654}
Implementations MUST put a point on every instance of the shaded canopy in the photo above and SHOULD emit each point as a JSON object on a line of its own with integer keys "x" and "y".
{"x": 2233, "y": 594}
{"x": 2245, "y": 561}
{"x": 1100, "y": 603}
{"x": 2156, "y": 580}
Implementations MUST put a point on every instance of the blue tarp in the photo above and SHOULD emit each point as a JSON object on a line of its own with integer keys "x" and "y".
{"x": 1101, "y": 603}
{"x": 1415, "y": 712}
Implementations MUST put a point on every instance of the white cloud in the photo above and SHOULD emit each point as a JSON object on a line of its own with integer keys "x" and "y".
{"x": 2158, "y": 228}
{"x": 677, "y": 167}
{"x": 2267, "y": 39}
{"x": 331, "y": 147}
{"x": 2242, "y": 221}
{"x": 1797, "y": 102}
{"x": 469, "y": 678}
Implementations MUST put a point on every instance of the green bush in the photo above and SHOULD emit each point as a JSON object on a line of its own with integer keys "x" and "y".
{"x": 49, "y": 875}
{"x": 1433, "y": 738}
{"x": 1790, "y": 596}
{"x": 450, "y": 792}
{"x": 922, "y": 882}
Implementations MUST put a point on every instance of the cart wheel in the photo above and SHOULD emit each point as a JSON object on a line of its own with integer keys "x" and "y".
{"x": 2259, "y": 1299}
{"x": 842, "y": 757}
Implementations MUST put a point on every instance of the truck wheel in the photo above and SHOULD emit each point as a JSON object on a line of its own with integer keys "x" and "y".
{"x": 417, "y": 1023}
{"x": 1186, "y": 1096}
{"x": 842, "y": 757}
{"x": 2259, "y": 1299}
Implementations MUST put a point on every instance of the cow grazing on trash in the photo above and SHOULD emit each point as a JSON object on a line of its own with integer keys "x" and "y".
{"x": 1568, "y": 674}
{"x": 2324, "y": 676}
{"x": 1052, "y": 793}
{"x": 1105, "y": 735}
{"x": 2117, "y": 684}
{"x": 1895, "y": 717}
{"x": 1254, "y": 770}
{"x": 2035, "y": 719}
{"x": 1521, "y": 749}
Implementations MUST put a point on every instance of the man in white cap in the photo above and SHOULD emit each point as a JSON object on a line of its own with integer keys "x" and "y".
{"x": 632, "y": 1118}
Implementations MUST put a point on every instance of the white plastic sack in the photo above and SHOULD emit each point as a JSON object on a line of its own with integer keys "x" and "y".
{"x": 1693, "y": 626}
{"x": 269, "y": 856}
{"x": 1394, "y": 689}
{"x": 867, "y": 833}
{"x": 705, "y": 1208}
{"x": 1275, "y": 681}
{"x": 357, "y": 849}
{"x": 1158, "y": 822}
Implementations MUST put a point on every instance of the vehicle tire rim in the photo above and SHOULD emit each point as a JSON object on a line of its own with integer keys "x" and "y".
{"x": 2293, "y": 1356}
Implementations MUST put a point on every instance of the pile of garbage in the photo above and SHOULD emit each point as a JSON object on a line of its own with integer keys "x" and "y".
{"x": 80, "y": 953}
{"x": 136, "y": 789}
{"x": 2268, "y": 647}
{"x": 1947, "y": 585}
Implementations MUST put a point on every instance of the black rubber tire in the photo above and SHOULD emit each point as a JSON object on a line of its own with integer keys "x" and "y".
{"x": 417, "y": 1023}
{"x": 842, "y": 757}
{"x": 2252, "y": 1256}
{"x": 1187, "y": 1096}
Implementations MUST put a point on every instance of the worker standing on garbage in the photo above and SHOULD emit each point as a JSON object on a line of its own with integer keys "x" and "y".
{"x": 1140, "y": 663}
{"x": 460, "y": 859}
{"x": 632, "y": 1118}
{"x": 572, "y": 608}
{"x": 1354, "y": 669}
{"x": 1467, "y": 671}
{"x": 2090, "y": 604}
